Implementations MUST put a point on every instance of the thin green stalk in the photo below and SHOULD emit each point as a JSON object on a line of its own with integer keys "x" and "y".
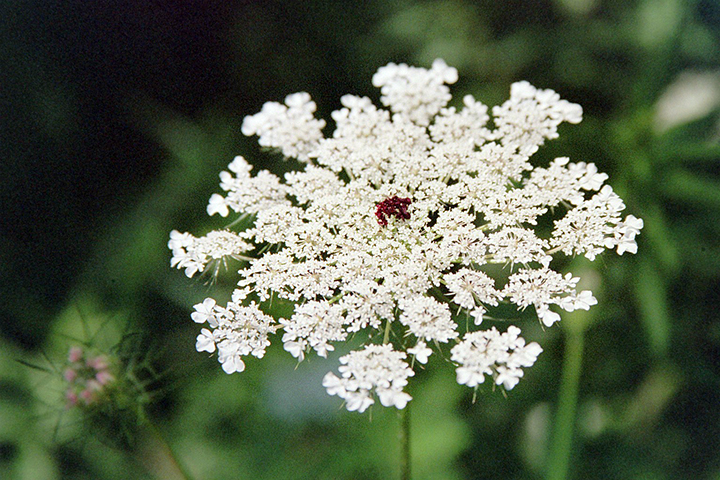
{"x": 169, "y": 452}
{"x": 405, "y": 443}
{"x": 564, "y": 424}
{"x": 386, "y": 336}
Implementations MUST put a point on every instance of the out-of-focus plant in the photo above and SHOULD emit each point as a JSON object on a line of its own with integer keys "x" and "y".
{"x": 99, "y": 390}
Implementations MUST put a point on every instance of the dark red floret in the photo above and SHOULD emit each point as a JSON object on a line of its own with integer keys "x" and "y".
{"x": 392, "y": 207}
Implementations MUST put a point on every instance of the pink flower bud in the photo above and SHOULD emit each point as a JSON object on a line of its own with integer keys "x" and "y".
{"x": 71, "y": 397}
{"x": 75, "y": 354}
{"x": 104, "y": 377}
{"x": 70, "y": 375}
{"x": 87, "y": 396}
{"x": 98, "y": 363}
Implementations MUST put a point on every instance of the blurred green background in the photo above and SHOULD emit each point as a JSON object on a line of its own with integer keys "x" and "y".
{"x": 116, "y": 119}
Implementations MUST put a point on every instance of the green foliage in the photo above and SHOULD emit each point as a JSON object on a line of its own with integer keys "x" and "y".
{"x": 119, "y": 120}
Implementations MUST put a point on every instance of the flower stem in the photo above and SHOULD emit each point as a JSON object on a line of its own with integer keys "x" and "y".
{"x": 386, "y": 336}
{"x": 405, "y": 443}
{"x": 562, "y": 435}
{"x": 172, "y": 464}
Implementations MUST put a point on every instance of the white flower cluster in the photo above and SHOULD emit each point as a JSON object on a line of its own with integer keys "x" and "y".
{"x": 195, "y": 254}
{"x": 395, "y": 226}
{"x": 499, "y": 355}
{"x": 237, "y": 331}
{"x": 376, "y": 368}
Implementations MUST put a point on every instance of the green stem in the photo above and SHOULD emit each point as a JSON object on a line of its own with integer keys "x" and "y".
{"x": 386, "y": 336}
{"x": 405, "y": 443}
{"x": 168, "y": 451}
{"x": 562, "y": 435}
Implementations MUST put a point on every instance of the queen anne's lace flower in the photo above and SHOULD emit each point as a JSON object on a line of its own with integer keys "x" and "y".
{"x": 376, "y": 368}
{"x": 472, "y": 289}
{"x": 397, "y": 226}
{"x": 238, "y": 331}
{"x": 499, "y": 355}
{"x": 313, "y": 325}
{"x": 290, "y": 127}
{"x": 194, "y": 254}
